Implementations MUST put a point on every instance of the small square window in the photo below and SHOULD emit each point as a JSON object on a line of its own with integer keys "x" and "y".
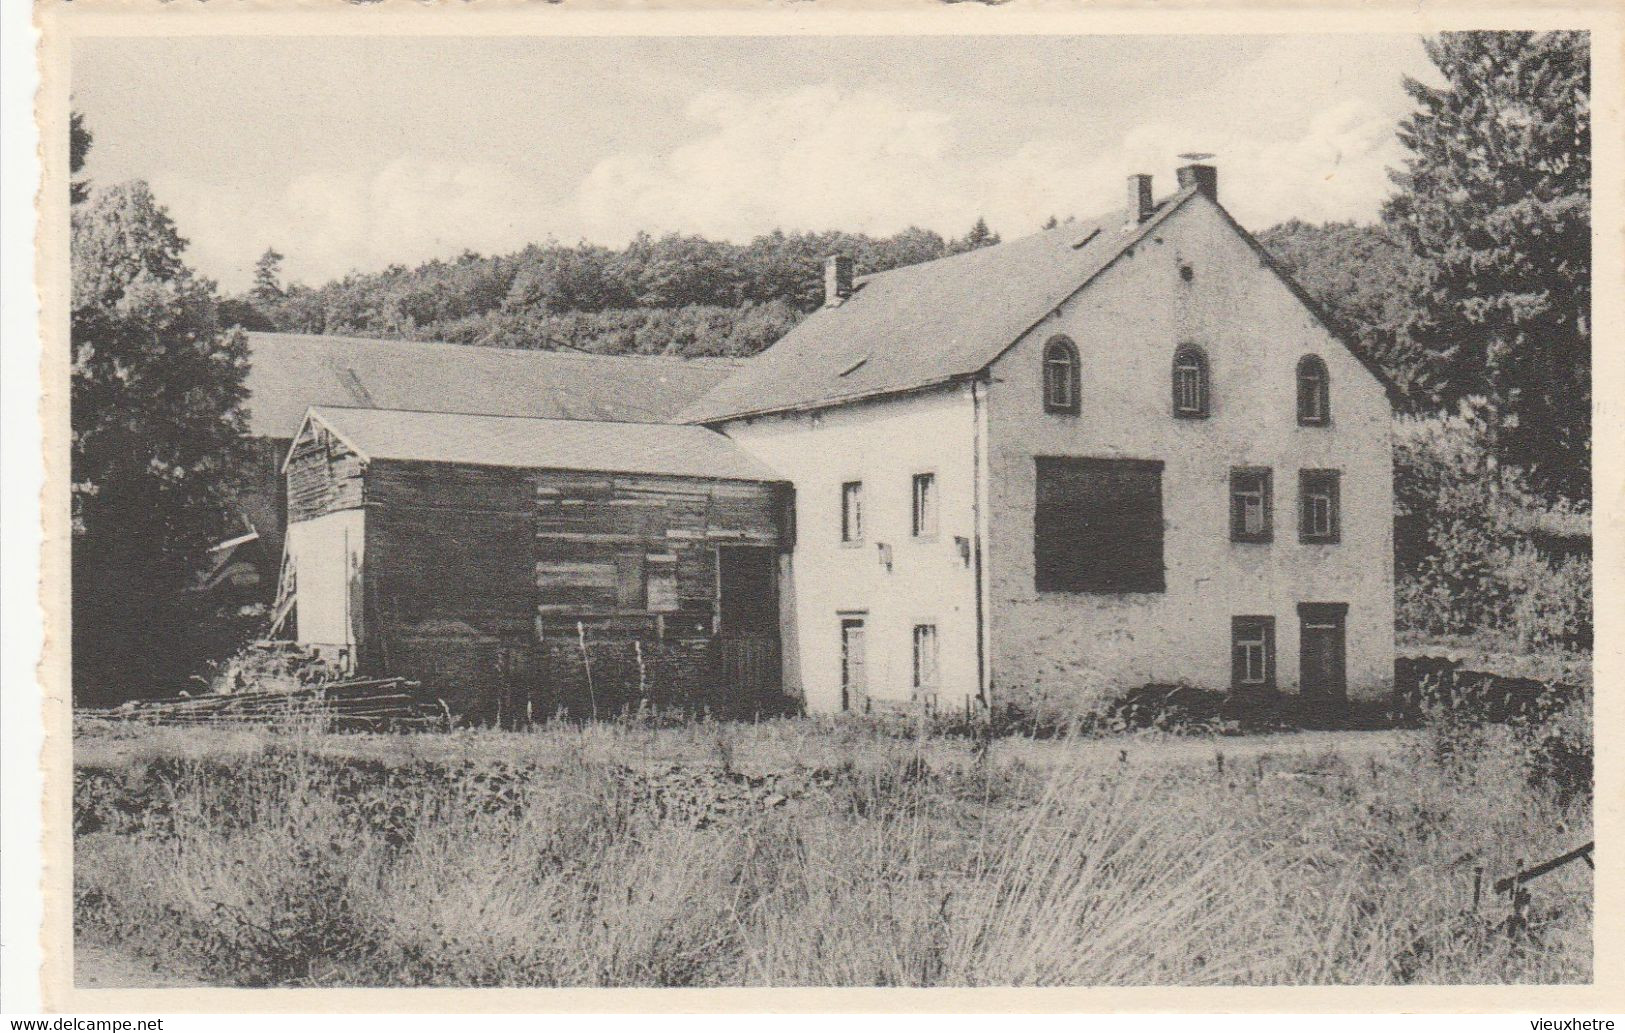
{"x": 852, "y": 512}
{"x": 1319, "y": 519}
{"x": 925, "y": 659}
{"x": 1252, "y": 652}
{"x": 1251, "y": 505}
{"x": 925, "y": 505}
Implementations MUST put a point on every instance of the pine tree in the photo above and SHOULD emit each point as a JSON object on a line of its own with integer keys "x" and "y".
{"x": 79, "y": 140}
{"x": 267, "y": 289}
{"x": 1495, "y": 201}
{"x": 157, "y": 426}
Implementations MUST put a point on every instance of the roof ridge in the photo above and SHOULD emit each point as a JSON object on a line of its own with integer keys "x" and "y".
{"x": 498, "y": 416}
{"x": 564, "y": 353}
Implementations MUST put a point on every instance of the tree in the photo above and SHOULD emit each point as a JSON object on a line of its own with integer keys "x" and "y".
{"x": 979, "y": 236}
{"x": 1363, "y": 278}
{"x": 267, "y": 289}
{"x": 1495, "y": 202}
{"x": 157, "y": 425}
{"x": 79, "y": 140}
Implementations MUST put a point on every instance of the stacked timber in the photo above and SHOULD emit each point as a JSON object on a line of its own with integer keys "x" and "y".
{"x": 360, "y": 705}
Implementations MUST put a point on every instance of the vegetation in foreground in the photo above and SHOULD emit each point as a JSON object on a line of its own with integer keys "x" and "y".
{"x": 829, "y": 854}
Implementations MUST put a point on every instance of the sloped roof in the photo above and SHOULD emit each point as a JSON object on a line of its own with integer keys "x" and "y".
{"x": 541, "y": 444}
{"x": 291, "y": 372}
{"x": 927, "y": 324}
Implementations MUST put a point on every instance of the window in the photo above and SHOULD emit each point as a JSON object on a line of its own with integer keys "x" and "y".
{"x": 1314, "y": 392}
{"x": 925, "y": 659}
{"x": 852, "y": 511}
{"x": 925, "y": 505}
{"x": 1097, "y": 525}
{"x": 1251, "y": 506}
{"x": 1190, "y": 382}
{"x": 1252, "y": 652}
{"x": 1060, "y": 376}
{"x": 1318, "y": 517}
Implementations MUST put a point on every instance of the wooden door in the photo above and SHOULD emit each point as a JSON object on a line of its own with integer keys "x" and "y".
{"x": 854, "y": 664}
{"x": 1322, "y": 651}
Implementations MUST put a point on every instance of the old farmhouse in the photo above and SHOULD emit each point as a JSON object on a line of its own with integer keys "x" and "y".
{"x": 1120, "y": 451}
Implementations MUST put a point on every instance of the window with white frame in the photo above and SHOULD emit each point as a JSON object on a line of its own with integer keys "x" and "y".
{"x": 1314, "y": 392}
{"x": 1190, "y": 382}
{"x": 1250, "y": 504}
{"x": 1252, "y": 652}
{"x": 1319, "y": 520}
{"x": 1061, "y": 376}
{"x": 925, "y": 505}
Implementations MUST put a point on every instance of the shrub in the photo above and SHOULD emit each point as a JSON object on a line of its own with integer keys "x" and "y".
{"x": 1468, "y": 561}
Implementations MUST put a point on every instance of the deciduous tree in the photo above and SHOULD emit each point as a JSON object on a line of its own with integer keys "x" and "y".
{"x": 157, "y": 424}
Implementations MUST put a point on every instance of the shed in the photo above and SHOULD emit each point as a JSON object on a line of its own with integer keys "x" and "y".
{"x": 522, "y": 565}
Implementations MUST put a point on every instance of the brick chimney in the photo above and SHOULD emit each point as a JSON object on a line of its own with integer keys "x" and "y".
{"x": 837, "y": 280}
{"x": 1139, "y": 198}
{"x": 1203, "y": 177}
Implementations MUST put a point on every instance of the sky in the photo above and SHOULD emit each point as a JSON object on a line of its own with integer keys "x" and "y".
{"x": 351, "y": 153}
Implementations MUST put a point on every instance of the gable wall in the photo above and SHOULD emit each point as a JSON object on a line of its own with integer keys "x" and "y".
{"x": 326, "y": 541}
{"x": 883, "y": 444}
{"x": 1063, "y": 646}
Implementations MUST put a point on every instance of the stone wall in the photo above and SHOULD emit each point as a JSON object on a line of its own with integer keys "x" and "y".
{"x": 1193, "y": 280}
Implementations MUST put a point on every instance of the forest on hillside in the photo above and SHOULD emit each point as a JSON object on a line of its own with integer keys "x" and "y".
{"x": 674, "y": 295}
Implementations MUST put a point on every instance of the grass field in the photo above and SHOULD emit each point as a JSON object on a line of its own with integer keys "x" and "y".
{"x": 807, "y": 852}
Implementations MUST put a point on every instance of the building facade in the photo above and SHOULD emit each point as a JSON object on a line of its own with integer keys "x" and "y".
{"x": 1125, "y": 450}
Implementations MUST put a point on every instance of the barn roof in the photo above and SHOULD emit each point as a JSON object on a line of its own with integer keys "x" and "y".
{"x": 927, "y": 324}
{"x": 291, "y": 372}
{"x": 541, "y": 444}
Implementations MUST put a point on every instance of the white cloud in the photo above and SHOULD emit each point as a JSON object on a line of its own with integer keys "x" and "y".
{"x": 329, "y": 222}
{"x": 810, "y": 158}
{"x": 819, "y": 158}
{"x": 816, "y": 158}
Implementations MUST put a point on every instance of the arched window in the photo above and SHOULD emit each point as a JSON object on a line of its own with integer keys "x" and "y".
{"x": 1060, "y": 376}
{"x": 1190, "y": 382}
{"x": 1314, "y": 392}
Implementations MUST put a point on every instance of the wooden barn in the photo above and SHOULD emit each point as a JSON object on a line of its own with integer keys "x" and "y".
{"x": 289, "y": 373}
{"x": 520, "y": 566}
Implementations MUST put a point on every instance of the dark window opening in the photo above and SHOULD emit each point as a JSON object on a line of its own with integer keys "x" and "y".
{"x": 1252, "y": 652}
{"x": 1314, "y": 392}
{"x": 1319, "y": 505}
{"x": 925, "y": 659}
{"x": 852, "y": 511}
{"x": 924, "y": 524}
{"x": 1097, "y": 525}
{"x": 1252, "y": 507}
{"x": 1061, "y": 378}
{"x": 1190, "y": 382}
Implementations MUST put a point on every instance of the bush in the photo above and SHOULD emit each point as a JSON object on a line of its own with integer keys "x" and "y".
{"x": 1468, "y": 560}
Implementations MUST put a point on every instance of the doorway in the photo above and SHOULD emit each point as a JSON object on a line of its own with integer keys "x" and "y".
{"x": 748, "y": 621}
{"x": 1323, "y": 652}
{"x": 854, "y": 662}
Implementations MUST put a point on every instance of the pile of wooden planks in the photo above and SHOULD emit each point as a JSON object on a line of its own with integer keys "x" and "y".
{"x": 371, "y": 704}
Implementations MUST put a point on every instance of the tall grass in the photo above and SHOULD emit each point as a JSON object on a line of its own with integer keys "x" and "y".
{"x": 552, "y": 859}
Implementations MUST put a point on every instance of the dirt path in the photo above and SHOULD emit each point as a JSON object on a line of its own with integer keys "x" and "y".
{"x": 1177, "y": 751}
{"x": 98, "y": 966}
